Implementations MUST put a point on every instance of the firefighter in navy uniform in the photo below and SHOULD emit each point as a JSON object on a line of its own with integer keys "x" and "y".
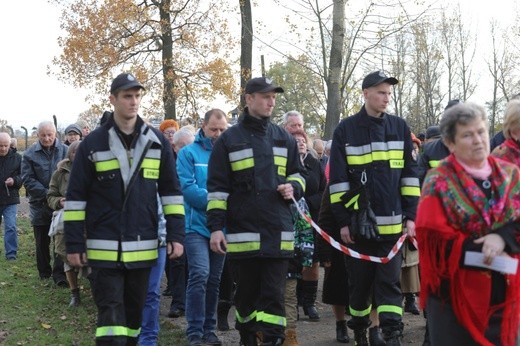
{"x": 253, "y": 172}
{"x": 434, "y": 150}
{"x": 374, "y": 190}
{"x": 112, "y": 196}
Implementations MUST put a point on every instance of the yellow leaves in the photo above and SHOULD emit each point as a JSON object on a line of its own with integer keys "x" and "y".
{"x": 46, "y": 326}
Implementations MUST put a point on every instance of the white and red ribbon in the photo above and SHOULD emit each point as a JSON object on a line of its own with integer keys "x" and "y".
{"x": 349, "y": 252}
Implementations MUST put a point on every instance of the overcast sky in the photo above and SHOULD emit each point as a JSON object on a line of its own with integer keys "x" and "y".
{"x": 29, "y": 43}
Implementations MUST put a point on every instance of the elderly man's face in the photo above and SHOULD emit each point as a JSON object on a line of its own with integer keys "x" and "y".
{"x": 294, "y": 124}
{"x": 5, "y": 145}
{"x": 46, "y": 136}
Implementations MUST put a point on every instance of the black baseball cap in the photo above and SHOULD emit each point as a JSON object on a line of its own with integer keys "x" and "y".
{"x": 125, "y": 81}
{"x": 377, "y": 77}
{"x": 262, "y": 85}
{"x": 452, "y": 103}
{"x": 433, "y": 131}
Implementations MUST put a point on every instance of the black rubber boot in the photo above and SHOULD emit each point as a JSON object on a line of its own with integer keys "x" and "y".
{"x": 360, "y": 337}
{"x": 393, "y": 335}
{"x": 342, "y": 332}
{"x": 375, "y": 337}
{"x": 410, "y": 305}
{"x": 222, "y": 315}
{"x": 248, "y": 339}
{"x": 74, "y": 298}
{"x": 310, "y": 289}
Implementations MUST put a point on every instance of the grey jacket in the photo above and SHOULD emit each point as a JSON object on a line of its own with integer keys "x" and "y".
{"x": 37, "y": 168}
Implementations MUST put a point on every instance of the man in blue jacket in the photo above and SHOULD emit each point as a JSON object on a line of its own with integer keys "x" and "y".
{"x": 38, "y": 163}
{"x": 204, "y": 265}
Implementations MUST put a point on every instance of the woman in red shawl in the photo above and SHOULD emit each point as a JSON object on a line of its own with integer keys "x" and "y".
{"x": 510, "y": 149}
{"x": 470, "y": 202}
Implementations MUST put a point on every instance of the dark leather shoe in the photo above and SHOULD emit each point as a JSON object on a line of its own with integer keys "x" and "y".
{"x": 375, "y": 337}
{"x": 410, "y": 305}
{"x": 312, "y": 312}
{"x": 342, "y": 332}
{"x": 175, "y": 313}
{"x": 62, "y": 284}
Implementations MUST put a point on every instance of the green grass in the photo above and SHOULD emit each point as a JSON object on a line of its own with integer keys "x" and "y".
{"x": 36, "y": 312}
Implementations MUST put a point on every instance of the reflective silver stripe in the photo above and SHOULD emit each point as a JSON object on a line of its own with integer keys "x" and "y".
{"x": 287, "y": 236}
{"x": 240, "y": 155}
{"x": 280, "y": 151}
{"x": 166, "y": 200}
{"x": 102, "y": 156}
{"x": 410, "y": 182}
{"x": 217, "y": 196}
{"x": 339, "y": 187}
{"x": 101, "y": 244}
{"x": 140, "y": 245}
{"x": 384, "y": 146}
{"x": 365, "y": 149}
{"x": 75, "y": 205}
{"x": 389, "y": 220}
{"x": 242, "y": 237}
{"x": 153, "y": 153}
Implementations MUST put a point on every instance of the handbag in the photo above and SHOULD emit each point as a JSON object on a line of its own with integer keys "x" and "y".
{"x": 56, "y": 223}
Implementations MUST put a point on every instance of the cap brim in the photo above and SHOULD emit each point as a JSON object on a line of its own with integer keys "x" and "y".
{"x": 271, "y": 89}
{"x": 131, "y": 85}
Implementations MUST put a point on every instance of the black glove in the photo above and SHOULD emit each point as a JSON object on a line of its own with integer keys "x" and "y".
{"x": 364, "y": 224}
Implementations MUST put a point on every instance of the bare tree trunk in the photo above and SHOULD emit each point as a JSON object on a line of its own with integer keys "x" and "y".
{"x": 335, "y": 64}
{"x": 246, "y": 47}
{"x": 169, "y": 77}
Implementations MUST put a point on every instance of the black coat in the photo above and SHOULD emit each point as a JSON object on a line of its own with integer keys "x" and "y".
{"x": 10, "y": 167}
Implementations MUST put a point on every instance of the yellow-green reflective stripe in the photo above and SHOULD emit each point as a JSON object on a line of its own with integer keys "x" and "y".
{"x": 390, "y": 308}
{"x": 353, "y": 200}
{"x": 151, "y": 163}
{"x": 387, "y": 155}
{"x": 137, "y": 256}
{"x": 111, "y": 331}
{"x": 360, "y": 313}
{"x": 133, "y": 333}
{"x": 280, "y": 161}
{"x": 359, "y": 160}
{"x": 434, "y": 163}
{"x": 287, "y": 245}
{"x": 103, "y": 166}
{"x": 262, "y": 316}
{"x": 74, "y": 215}
{"x": 390, "y": 229}
{"x": 173, "y": 209}
{"x": 336, "y": 197}
{"x": 246, "y": 318}
{"x": 298, "y": 180}
{"x": 242, "y": 164}
{"x": 243, "y": 247}
{"x": 102, "y": 255}
{"x": 217, "y": 205}
{"x": 410, "y": 191}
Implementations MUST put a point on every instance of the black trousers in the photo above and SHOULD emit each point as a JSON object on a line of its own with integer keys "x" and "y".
{"x": 177, "y": 274}
{"x": 377, "y": 280}
{"x": 43, "y": 255}
{"x": 227, "y": 282}
{"x": 119, "y": 295}
{"x": 445, "y": 330}
{"x": 260, "y": 296}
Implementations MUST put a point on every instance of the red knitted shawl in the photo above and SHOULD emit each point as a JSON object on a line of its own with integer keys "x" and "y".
{"x": 451, "y": 209}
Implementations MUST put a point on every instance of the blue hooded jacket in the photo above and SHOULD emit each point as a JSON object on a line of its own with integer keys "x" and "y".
{"x": 192, "y": 169}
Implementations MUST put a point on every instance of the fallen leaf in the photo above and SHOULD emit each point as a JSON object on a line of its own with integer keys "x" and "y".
{"x": 63, "y": 317}
{"x": 46, "y": 326}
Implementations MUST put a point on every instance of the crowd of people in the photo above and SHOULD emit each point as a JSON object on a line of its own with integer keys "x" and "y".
{"x": 224, "y": 212}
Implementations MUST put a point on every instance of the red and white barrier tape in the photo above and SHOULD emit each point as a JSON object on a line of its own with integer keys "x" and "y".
{"x": 335, "y": 244}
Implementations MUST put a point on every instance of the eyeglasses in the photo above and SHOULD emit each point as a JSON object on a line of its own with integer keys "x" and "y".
{"x": 169, "y": 133}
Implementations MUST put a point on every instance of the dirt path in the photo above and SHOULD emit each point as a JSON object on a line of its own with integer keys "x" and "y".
{"x": 310, "y": 333}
